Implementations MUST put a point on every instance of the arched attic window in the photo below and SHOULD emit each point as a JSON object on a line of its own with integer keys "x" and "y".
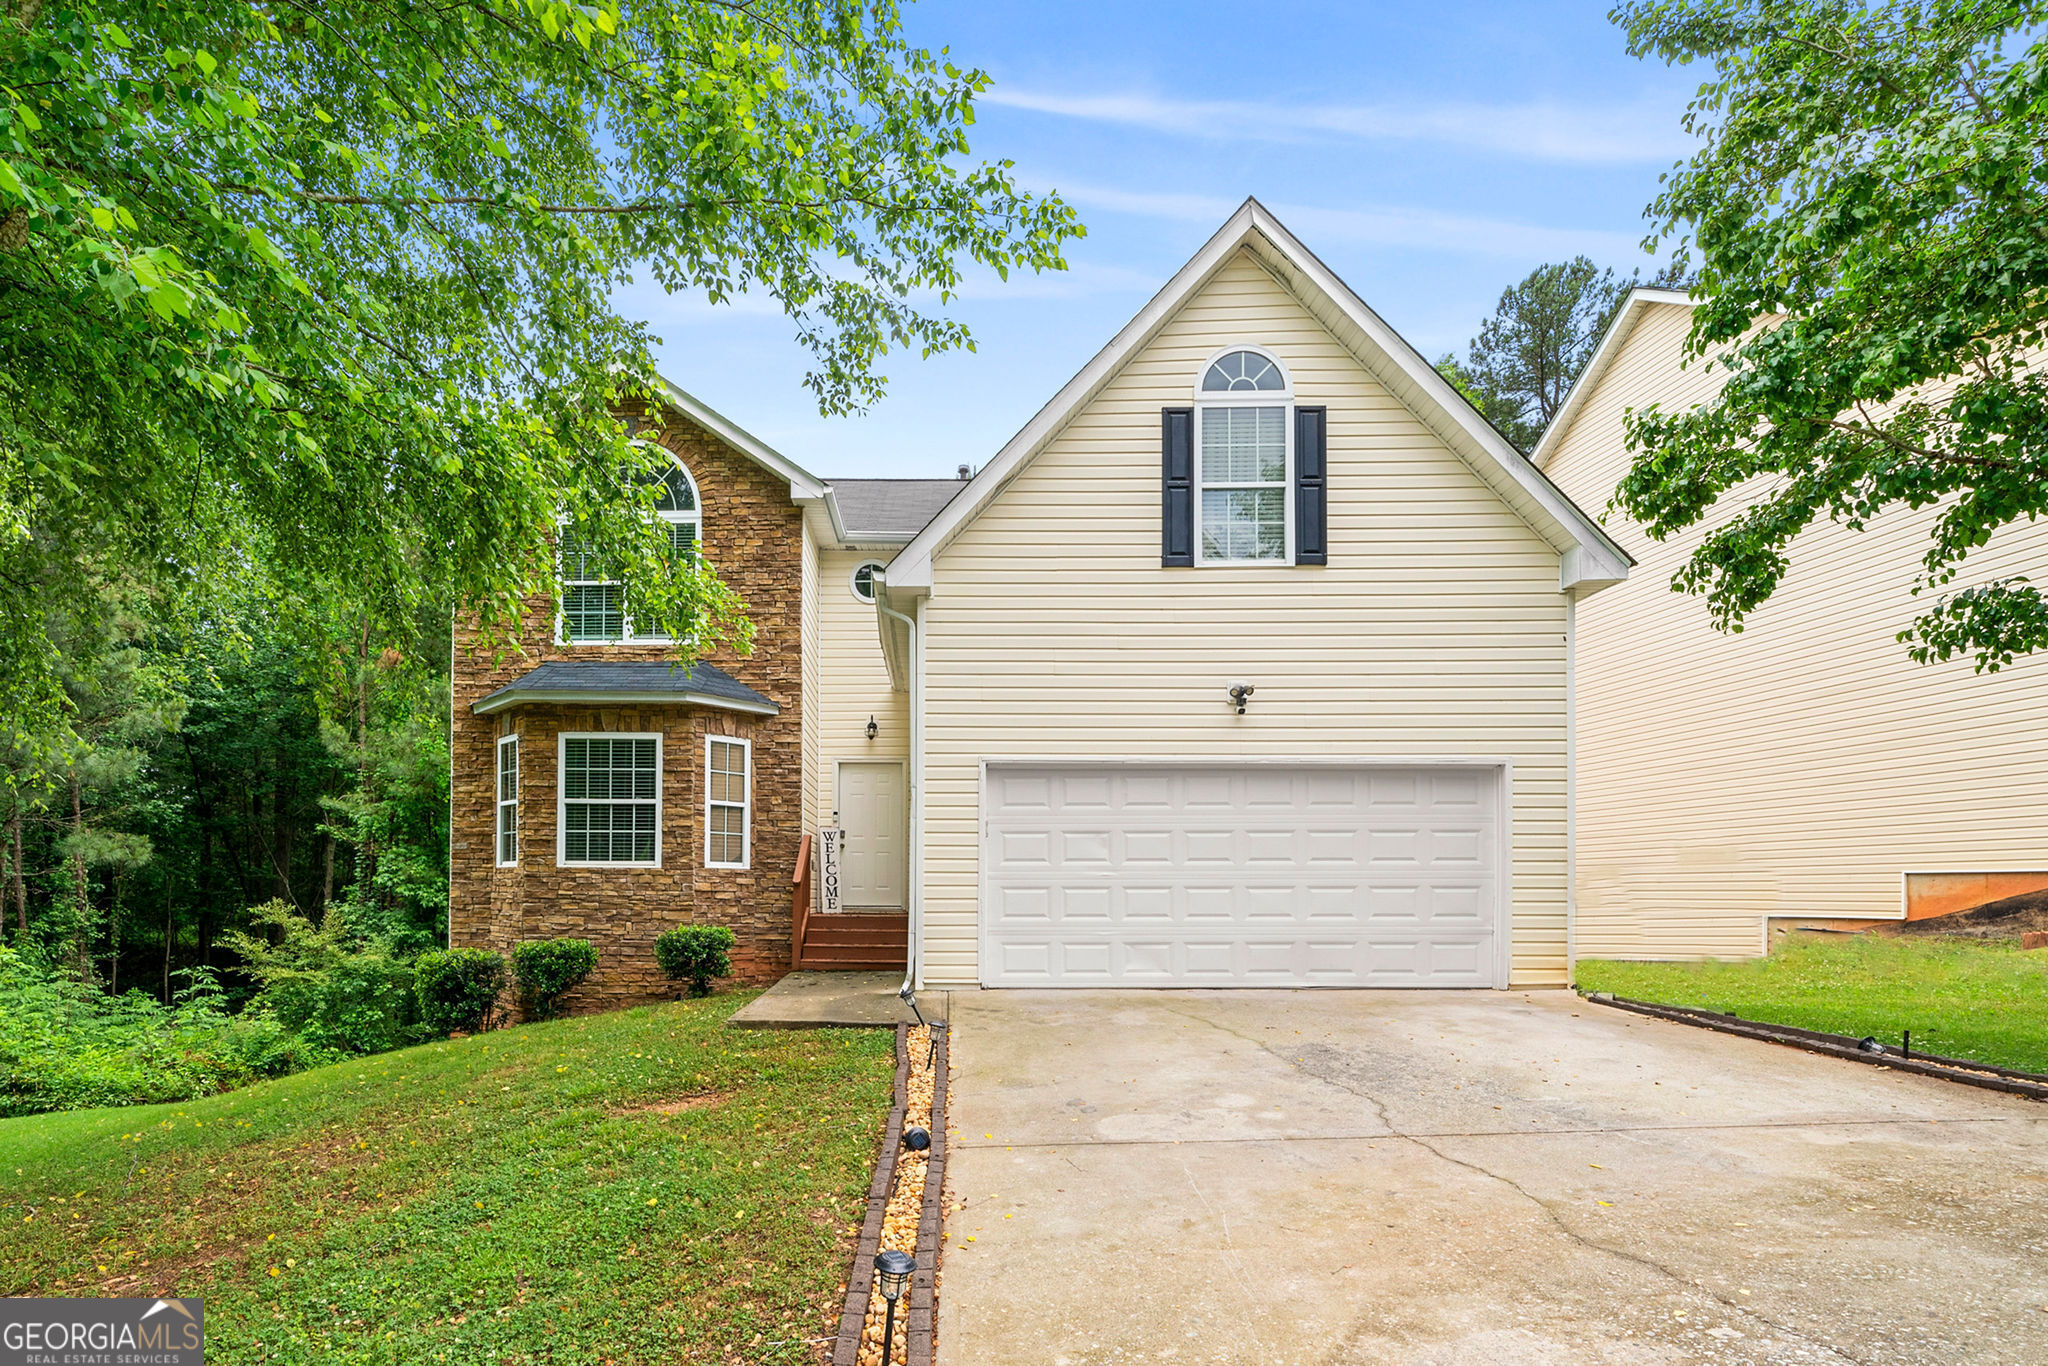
{"x": 677, "y": 505}
{"x": 1239, "y": 372}
{"x": 594, "y": 610}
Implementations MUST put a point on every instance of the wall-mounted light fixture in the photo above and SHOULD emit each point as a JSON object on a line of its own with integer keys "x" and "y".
{"x": 873, "y": 729}
{"x": 1240, "y": 693}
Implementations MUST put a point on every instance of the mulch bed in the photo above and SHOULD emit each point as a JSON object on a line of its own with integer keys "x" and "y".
{"x": 1970, "y": 1073}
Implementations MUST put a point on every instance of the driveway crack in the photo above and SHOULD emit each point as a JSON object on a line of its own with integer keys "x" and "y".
{"x": 1550, "y": 1213}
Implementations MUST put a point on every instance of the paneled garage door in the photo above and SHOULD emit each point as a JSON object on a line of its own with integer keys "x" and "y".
{"x": 1241, "y": 876}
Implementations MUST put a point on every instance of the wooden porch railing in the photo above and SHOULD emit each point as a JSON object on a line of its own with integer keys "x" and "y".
{"x": 800, "y": 903}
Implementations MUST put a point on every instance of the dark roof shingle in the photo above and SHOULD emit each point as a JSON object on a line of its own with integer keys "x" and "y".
{"x": 892, "y": 507}
{"x": 599, "y": 680}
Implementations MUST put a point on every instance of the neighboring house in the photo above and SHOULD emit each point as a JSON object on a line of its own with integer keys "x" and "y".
{"x": 1246, "y": 663}
{"x": 1805, "y": 769}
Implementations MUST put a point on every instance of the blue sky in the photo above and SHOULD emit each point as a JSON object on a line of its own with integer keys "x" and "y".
{"x": 1432, "y": 154}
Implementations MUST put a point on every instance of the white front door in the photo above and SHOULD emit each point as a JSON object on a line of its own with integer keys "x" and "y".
{"x": 1242, "y": 875}
{"x": 872, "y": 812}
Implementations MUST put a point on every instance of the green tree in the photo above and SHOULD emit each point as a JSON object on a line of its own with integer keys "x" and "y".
{"x": 1866, "y": 210}
{"x": 329, "y": 286}
{"x": 121, "y": 701}
{"x": 1542, "y": 332}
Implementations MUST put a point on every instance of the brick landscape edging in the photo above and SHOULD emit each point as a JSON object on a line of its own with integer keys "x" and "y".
{"x": 1970, "y": 1073}
{"x": 931, "y": 1218}
{"x": 860, "y": 1279}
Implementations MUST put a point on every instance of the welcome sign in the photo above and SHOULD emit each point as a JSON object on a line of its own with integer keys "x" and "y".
{"x": 828, "y": 868}
{"x": 66, "y": 1332}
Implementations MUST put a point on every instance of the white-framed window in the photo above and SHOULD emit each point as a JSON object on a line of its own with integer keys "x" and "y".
{"x": 862, "y": 580}
{"x": 610, "y": 801}
{"x": 1244, "y": 460}
{"x": 508, "y": 801}
{"x": 728, "y": 801}
{"x": 594, "y": 609}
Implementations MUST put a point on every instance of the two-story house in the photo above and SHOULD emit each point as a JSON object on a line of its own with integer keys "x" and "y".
{"x": 1247, "y": 662}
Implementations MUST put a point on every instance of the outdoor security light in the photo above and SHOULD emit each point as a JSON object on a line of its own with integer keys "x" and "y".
{"x": 892, "y": 1273}
{"x": 1238, "y": 693}
{"x": 917, "y": 1139}
{"x": 872, "y": 728}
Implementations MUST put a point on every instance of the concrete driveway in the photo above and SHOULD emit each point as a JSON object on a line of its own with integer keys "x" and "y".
{"x": 1468, "y": 1178}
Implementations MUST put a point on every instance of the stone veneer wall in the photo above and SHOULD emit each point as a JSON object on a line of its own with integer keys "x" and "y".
{"x": 753, "y": 533}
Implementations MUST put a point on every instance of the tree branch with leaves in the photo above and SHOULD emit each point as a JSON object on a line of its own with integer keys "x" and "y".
{"x": 1866, "y": 212}
{"x": 331, "y": 286}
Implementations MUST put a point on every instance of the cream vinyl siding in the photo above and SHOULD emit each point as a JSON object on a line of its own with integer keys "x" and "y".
{"x": 854, "y": 680}
{"x": 810, "y": 680}
{"x": 1801, "y": 767}
{"x": 1436, "y": 631}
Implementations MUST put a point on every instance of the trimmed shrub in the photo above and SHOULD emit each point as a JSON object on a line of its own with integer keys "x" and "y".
{"x": 695, "y": 954}
{"x": 546, "y": 970}
{"x": 458, "y": 987}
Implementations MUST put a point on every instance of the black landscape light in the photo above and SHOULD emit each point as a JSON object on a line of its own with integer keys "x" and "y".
{"x": 892, "y": 1274}
{"x": 917, "y": 1139}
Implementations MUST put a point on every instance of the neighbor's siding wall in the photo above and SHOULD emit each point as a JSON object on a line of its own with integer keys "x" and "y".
{"x": 855, "y": 678}
{"x": 1800, "y": 767}
{"x": 1436, "y": 629}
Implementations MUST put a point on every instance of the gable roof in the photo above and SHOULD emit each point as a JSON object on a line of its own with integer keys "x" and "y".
{"x": 1588, "y": 556}
{"x": 1632, "y": 310}
{"x": 891, "y": 509}
{"x": 627, "y": 681}
{"x": 803, "y": 485}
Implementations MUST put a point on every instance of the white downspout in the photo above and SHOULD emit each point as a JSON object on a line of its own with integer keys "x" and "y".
{"x": 913, "y": 958}
{"x": 1571, "y": 790}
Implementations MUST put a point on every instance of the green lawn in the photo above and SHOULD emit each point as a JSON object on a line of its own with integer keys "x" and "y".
{"x": 505, "y": 1199}
{"x": 1987, "y": 1001}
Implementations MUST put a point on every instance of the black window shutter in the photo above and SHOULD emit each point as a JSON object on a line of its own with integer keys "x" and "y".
{"x": 1311, "y": 486}
{"x": 1177, "y": 495}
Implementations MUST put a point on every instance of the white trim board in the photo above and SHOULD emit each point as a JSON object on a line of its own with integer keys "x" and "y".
{"x": 802, "y": 483}
{"x": 1589, "y": 558}
{"x": 1596, "y": 369}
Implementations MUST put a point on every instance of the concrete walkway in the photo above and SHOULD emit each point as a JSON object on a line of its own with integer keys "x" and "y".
{"x": 828, "y": 1000}
{"x": 1468, "y": 1179}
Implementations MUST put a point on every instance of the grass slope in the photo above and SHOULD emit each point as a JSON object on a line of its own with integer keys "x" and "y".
{"x": 1965, "y": 999}
{"x": 510, "y": 1198}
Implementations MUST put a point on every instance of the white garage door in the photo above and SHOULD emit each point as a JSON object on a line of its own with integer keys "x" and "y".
{"x": 1241, "y": 875}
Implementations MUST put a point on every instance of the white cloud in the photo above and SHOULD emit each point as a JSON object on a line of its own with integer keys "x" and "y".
{"x": 1645, "y": 130}
{"x": 1424, "y": 229}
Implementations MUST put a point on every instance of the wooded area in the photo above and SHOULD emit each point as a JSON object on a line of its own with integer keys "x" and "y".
{"x": 263, "y": 756}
